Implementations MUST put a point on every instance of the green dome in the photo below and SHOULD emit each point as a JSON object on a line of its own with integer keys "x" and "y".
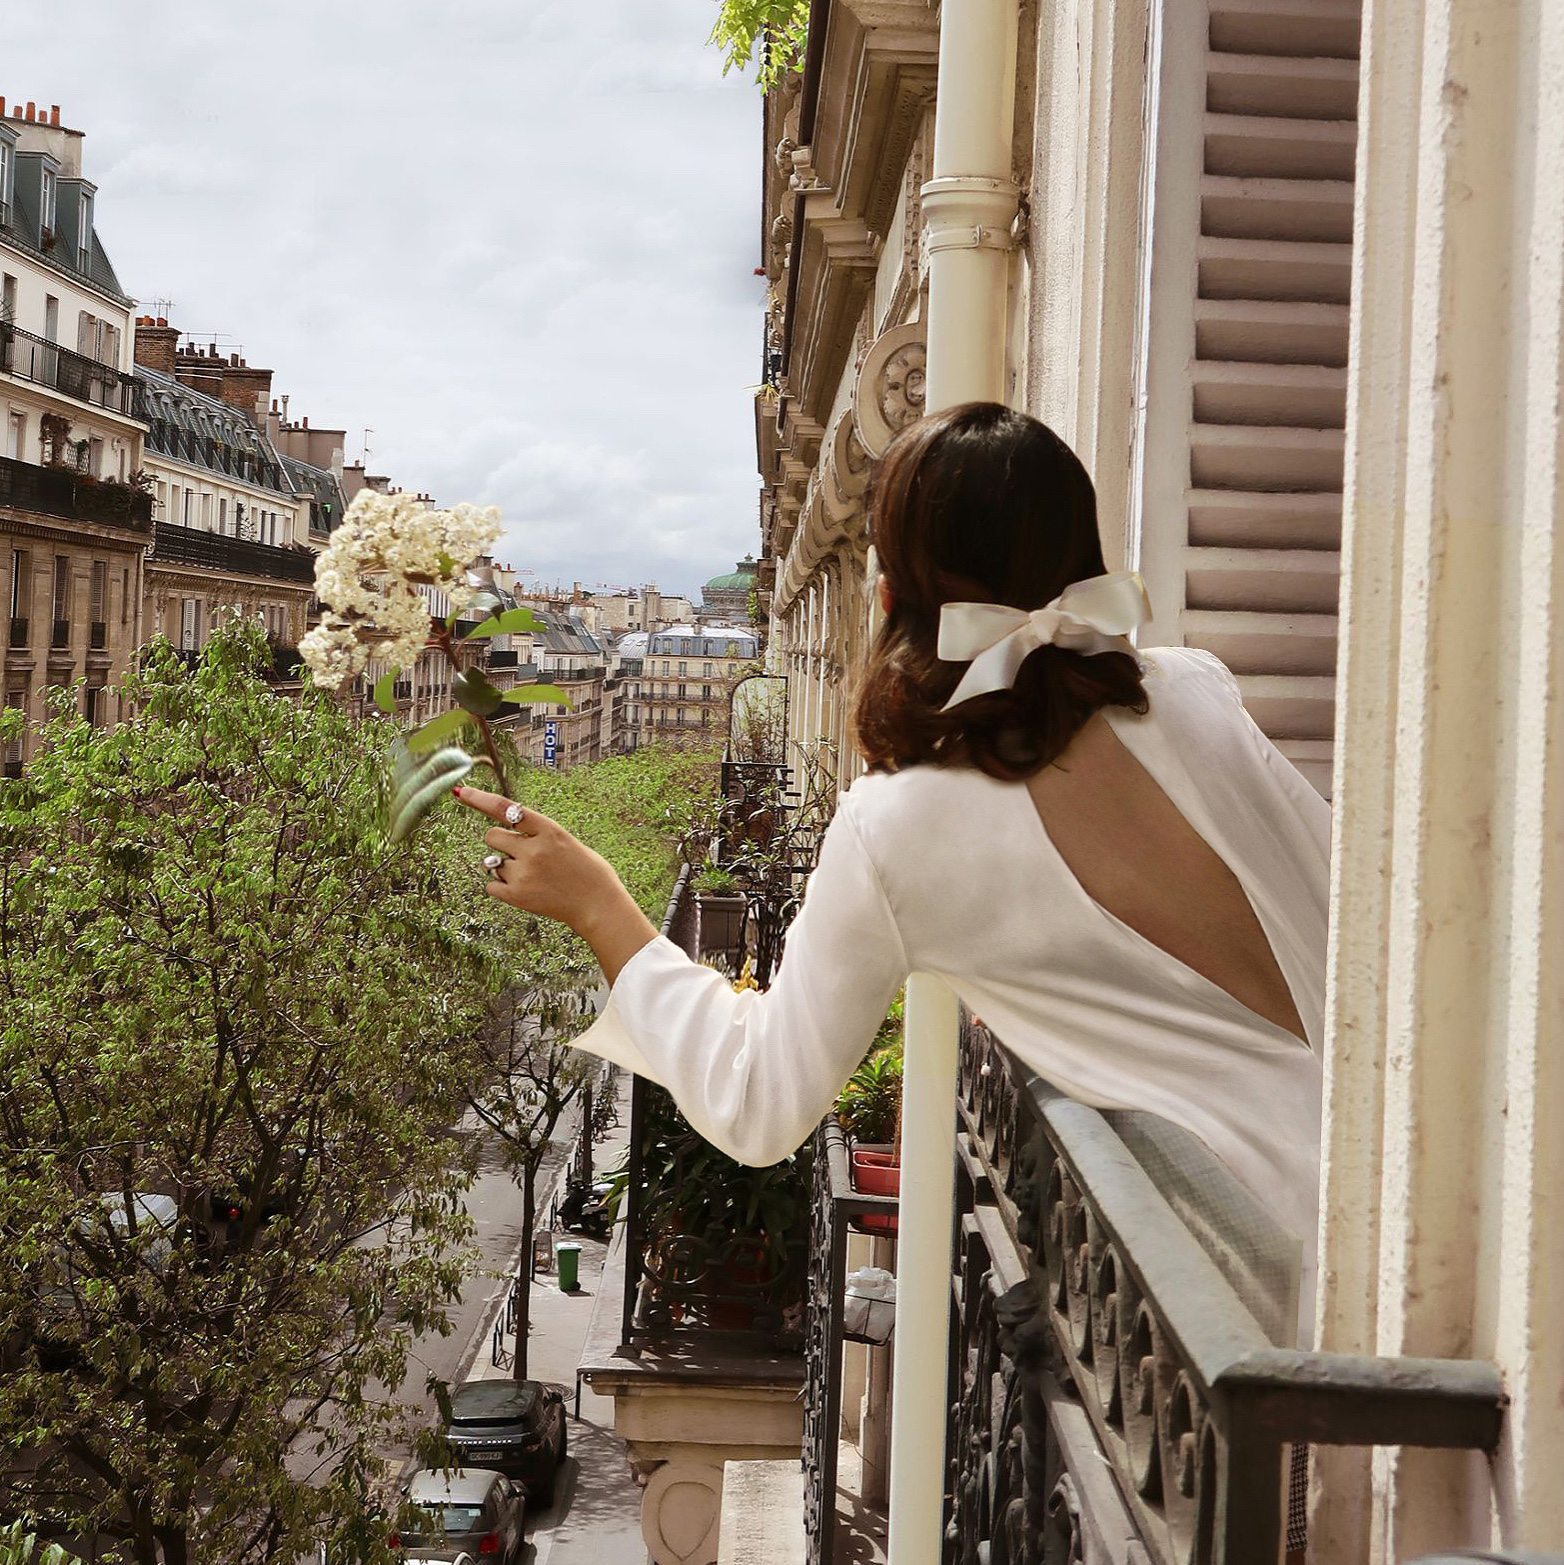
{"x": 740, "y": 580}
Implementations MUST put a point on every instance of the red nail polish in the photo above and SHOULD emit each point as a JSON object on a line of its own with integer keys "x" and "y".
{"x": 456, "y": 790}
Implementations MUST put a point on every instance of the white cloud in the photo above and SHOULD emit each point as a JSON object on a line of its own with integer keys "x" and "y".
{"x": 516, "y": 241}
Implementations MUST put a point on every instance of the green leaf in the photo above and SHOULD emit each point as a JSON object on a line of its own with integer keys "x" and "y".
{"x": 536, "y": 695}
{"x": 417, "y": 782}
{"x": 475, "y": 694}
{"x": 436, "y": 729}
{"x": 513, "y": 622}
{"x": 385, "y": 691}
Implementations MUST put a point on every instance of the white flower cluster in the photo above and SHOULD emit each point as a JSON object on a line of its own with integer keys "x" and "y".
{"x": 375, "y": 576}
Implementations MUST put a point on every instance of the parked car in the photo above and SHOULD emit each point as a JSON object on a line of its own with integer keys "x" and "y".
{"x": 516, "y": 1427}
{"x": 470, "y": 1514}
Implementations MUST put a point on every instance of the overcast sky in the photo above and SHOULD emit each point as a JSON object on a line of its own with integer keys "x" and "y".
{"x": 516, "y": 238}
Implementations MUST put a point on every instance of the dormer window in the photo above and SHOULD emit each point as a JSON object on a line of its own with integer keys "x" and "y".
{"x": 84, "y": 235}
{"x": 7, "y": 173}
{"x": 49, "y": 208}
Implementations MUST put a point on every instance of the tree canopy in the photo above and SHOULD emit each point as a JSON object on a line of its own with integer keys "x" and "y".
{"x": 236, "y": 1027}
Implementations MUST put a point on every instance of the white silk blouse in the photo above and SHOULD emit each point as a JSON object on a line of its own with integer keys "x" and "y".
{"x": 949, "y": 871}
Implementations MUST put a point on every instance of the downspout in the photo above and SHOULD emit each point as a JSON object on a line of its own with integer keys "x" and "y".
{"x": 969, "y": 207}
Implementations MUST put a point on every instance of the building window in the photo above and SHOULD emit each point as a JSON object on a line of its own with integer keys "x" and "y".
{"x": 189, "y": 516}
{"x": 51, "y": 318}
{"x": 100, "y": 603}
{"x": 7, "y": 291}
{"x": 50, "y": 203}
{"x": 187, "y": 624}
{"x": 62, "y": 601}
{"x": 683, "y": 670}
{"x": 6, "y": 166}
{"x": 162, "y": 497}
{"x": 222, "y": 516}
{"x": 21, "y": 567}
{"x": 124, "y": 596}
{"x": 16, "y": 436}
{"x": 95, "y": 456}
{"x": 206, "y": 511}
{"x": 92, "y": 705}
{"x": 706, "y": 670}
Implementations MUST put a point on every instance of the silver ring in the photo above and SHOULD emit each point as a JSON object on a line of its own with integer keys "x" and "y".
{"x": 513, "y": 814}
{"x": 493, "y": 860}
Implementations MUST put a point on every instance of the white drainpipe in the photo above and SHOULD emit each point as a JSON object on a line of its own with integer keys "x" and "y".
{"x": 969, "y": 207}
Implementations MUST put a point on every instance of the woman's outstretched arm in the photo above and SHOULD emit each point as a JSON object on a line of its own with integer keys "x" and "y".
{"x": 752, "y": 1072}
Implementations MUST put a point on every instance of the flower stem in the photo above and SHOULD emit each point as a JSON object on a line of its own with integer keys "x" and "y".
{"x": 492, "y": 751}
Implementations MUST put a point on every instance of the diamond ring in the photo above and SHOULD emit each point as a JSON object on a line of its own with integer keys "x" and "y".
{"x": 513, "y": 814}
{"x": 493, "y": 860}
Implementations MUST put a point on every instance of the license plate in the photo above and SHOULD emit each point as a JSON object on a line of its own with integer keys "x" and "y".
{"x": 485, "y": 1453}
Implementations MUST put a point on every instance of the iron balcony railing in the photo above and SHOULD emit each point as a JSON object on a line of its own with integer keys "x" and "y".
{"x": 45, "y": 363}
{"x": 73, "y": 496}
{"x": 1109, "y": 1266}
{"x": 176, "y": 545}
{"x": 837, "y": 1208}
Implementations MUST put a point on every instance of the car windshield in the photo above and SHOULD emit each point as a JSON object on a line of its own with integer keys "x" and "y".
{"x": 435, "y": 1520}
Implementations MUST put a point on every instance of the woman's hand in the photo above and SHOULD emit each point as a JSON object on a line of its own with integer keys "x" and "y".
{"x": 537, "y": 866}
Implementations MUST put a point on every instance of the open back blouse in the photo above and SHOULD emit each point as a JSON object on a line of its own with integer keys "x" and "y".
{"x": 949, "y": 871}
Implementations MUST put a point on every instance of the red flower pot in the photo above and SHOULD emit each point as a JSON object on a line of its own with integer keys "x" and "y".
{"x": 876, "y": 1171}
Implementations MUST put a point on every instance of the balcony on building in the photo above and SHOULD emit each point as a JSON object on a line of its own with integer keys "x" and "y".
{"x": 176, "y": 545}
{"x": 32, "y": 358}
{"x": 73, "y": 496}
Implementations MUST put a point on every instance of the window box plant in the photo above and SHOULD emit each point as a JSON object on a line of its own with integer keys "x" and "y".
{"x": 721, "y": 915}
{"x": 869, "y": 1110}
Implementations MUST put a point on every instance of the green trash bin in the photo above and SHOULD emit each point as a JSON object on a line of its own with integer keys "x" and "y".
{"x": 567, "y": 1260}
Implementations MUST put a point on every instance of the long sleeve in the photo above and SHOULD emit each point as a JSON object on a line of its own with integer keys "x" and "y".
{"x": 754, "y": 1072}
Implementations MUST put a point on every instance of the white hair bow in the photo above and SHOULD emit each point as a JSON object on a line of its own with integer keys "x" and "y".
{"x": 1089, "y": 616}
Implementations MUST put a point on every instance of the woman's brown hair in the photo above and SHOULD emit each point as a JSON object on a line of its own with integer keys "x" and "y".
{"x": 981, "y": 504}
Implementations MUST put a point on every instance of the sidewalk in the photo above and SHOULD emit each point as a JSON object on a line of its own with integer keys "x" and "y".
{"x": 596, "y": 1515}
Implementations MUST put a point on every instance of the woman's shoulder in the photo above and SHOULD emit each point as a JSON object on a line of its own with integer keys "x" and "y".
{"x": 924, "y": 803}
{"x": 1189, "y": 669}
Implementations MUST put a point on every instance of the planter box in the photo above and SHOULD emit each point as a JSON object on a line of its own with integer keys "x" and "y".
{"x": 722, "y": 927}
{"x": 876, "y": 1170}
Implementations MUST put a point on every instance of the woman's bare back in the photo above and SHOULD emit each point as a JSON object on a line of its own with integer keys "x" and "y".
{"x": 1138, "y": 858}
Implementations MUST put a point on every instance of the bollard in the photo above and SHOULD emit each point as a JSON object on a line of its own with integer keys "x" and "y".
{"x": 567, "y": 1259}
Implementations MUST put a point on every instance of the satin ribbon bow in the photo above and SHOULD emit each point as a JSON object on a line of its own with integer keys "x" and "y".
{"x": 1089, "y": 616}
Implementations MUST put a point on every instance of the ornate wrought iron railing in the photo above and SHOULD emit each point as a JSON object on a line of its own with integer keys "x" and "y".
{"x": 176, "y": 545}
{"x": 682, "y": 1281}
{"x": 836, "y": 1205}
{"x": 1110, "y": 1386}
{"x": 30, "y": 357}
{"x": 63, "y": 492}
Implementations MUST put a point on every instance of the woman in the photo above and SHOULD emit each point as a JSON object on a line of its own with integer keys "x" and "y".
{"x": 1102, "y": 855}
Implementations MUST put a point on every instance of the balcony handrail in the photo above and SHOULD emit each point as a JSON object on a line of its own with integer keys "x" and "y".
{"x": 30, "y": 357}
{"x": 1073, "y": 1265}
{"x": 174, "y": 544}
{"x": 73, "y": 496}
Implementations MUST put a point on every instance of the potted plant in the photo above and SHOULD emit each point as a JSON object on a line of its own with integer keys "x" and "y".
{"x": 721, "y": 904}
{"x": 869, "y": 1110}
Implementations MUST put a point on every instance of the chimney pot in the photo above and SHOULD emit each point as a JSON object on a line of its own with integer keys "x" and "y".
{"x": 2, "y": 108}
{"x": 54, "y": 114}
{"x": 16, "y": 113}
{"x": 162, "y": 320}
{"x": 32, "y": 110}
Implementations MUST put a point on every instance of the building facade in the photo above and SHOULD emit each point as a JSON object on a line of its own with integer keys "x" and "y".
{"x": 1287, "y": 277}
{"x": 730, "y": 599}
{"x": 233, "y": 525}
{"x": 75, "y": 519}
{"x": 678, "y": 686}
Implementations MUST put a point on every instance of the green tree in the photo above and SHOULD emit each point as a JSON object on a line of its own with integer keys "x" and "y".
{"x": 775, "y": 30}
{"x": 223, "y": 992}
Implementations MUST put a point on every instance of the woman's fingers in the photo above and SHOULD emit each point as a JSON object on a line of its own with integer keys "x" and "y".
{"x": 497, "y": 807}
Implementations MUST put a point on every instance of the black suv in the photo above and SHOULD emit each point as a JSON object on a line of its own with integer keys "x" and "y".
{"x": 516, "y": 1427}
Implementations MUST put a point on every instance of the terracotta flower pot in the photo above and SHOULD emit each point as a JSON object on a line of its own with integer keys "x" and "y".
{"x": 876, "y": 1170}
